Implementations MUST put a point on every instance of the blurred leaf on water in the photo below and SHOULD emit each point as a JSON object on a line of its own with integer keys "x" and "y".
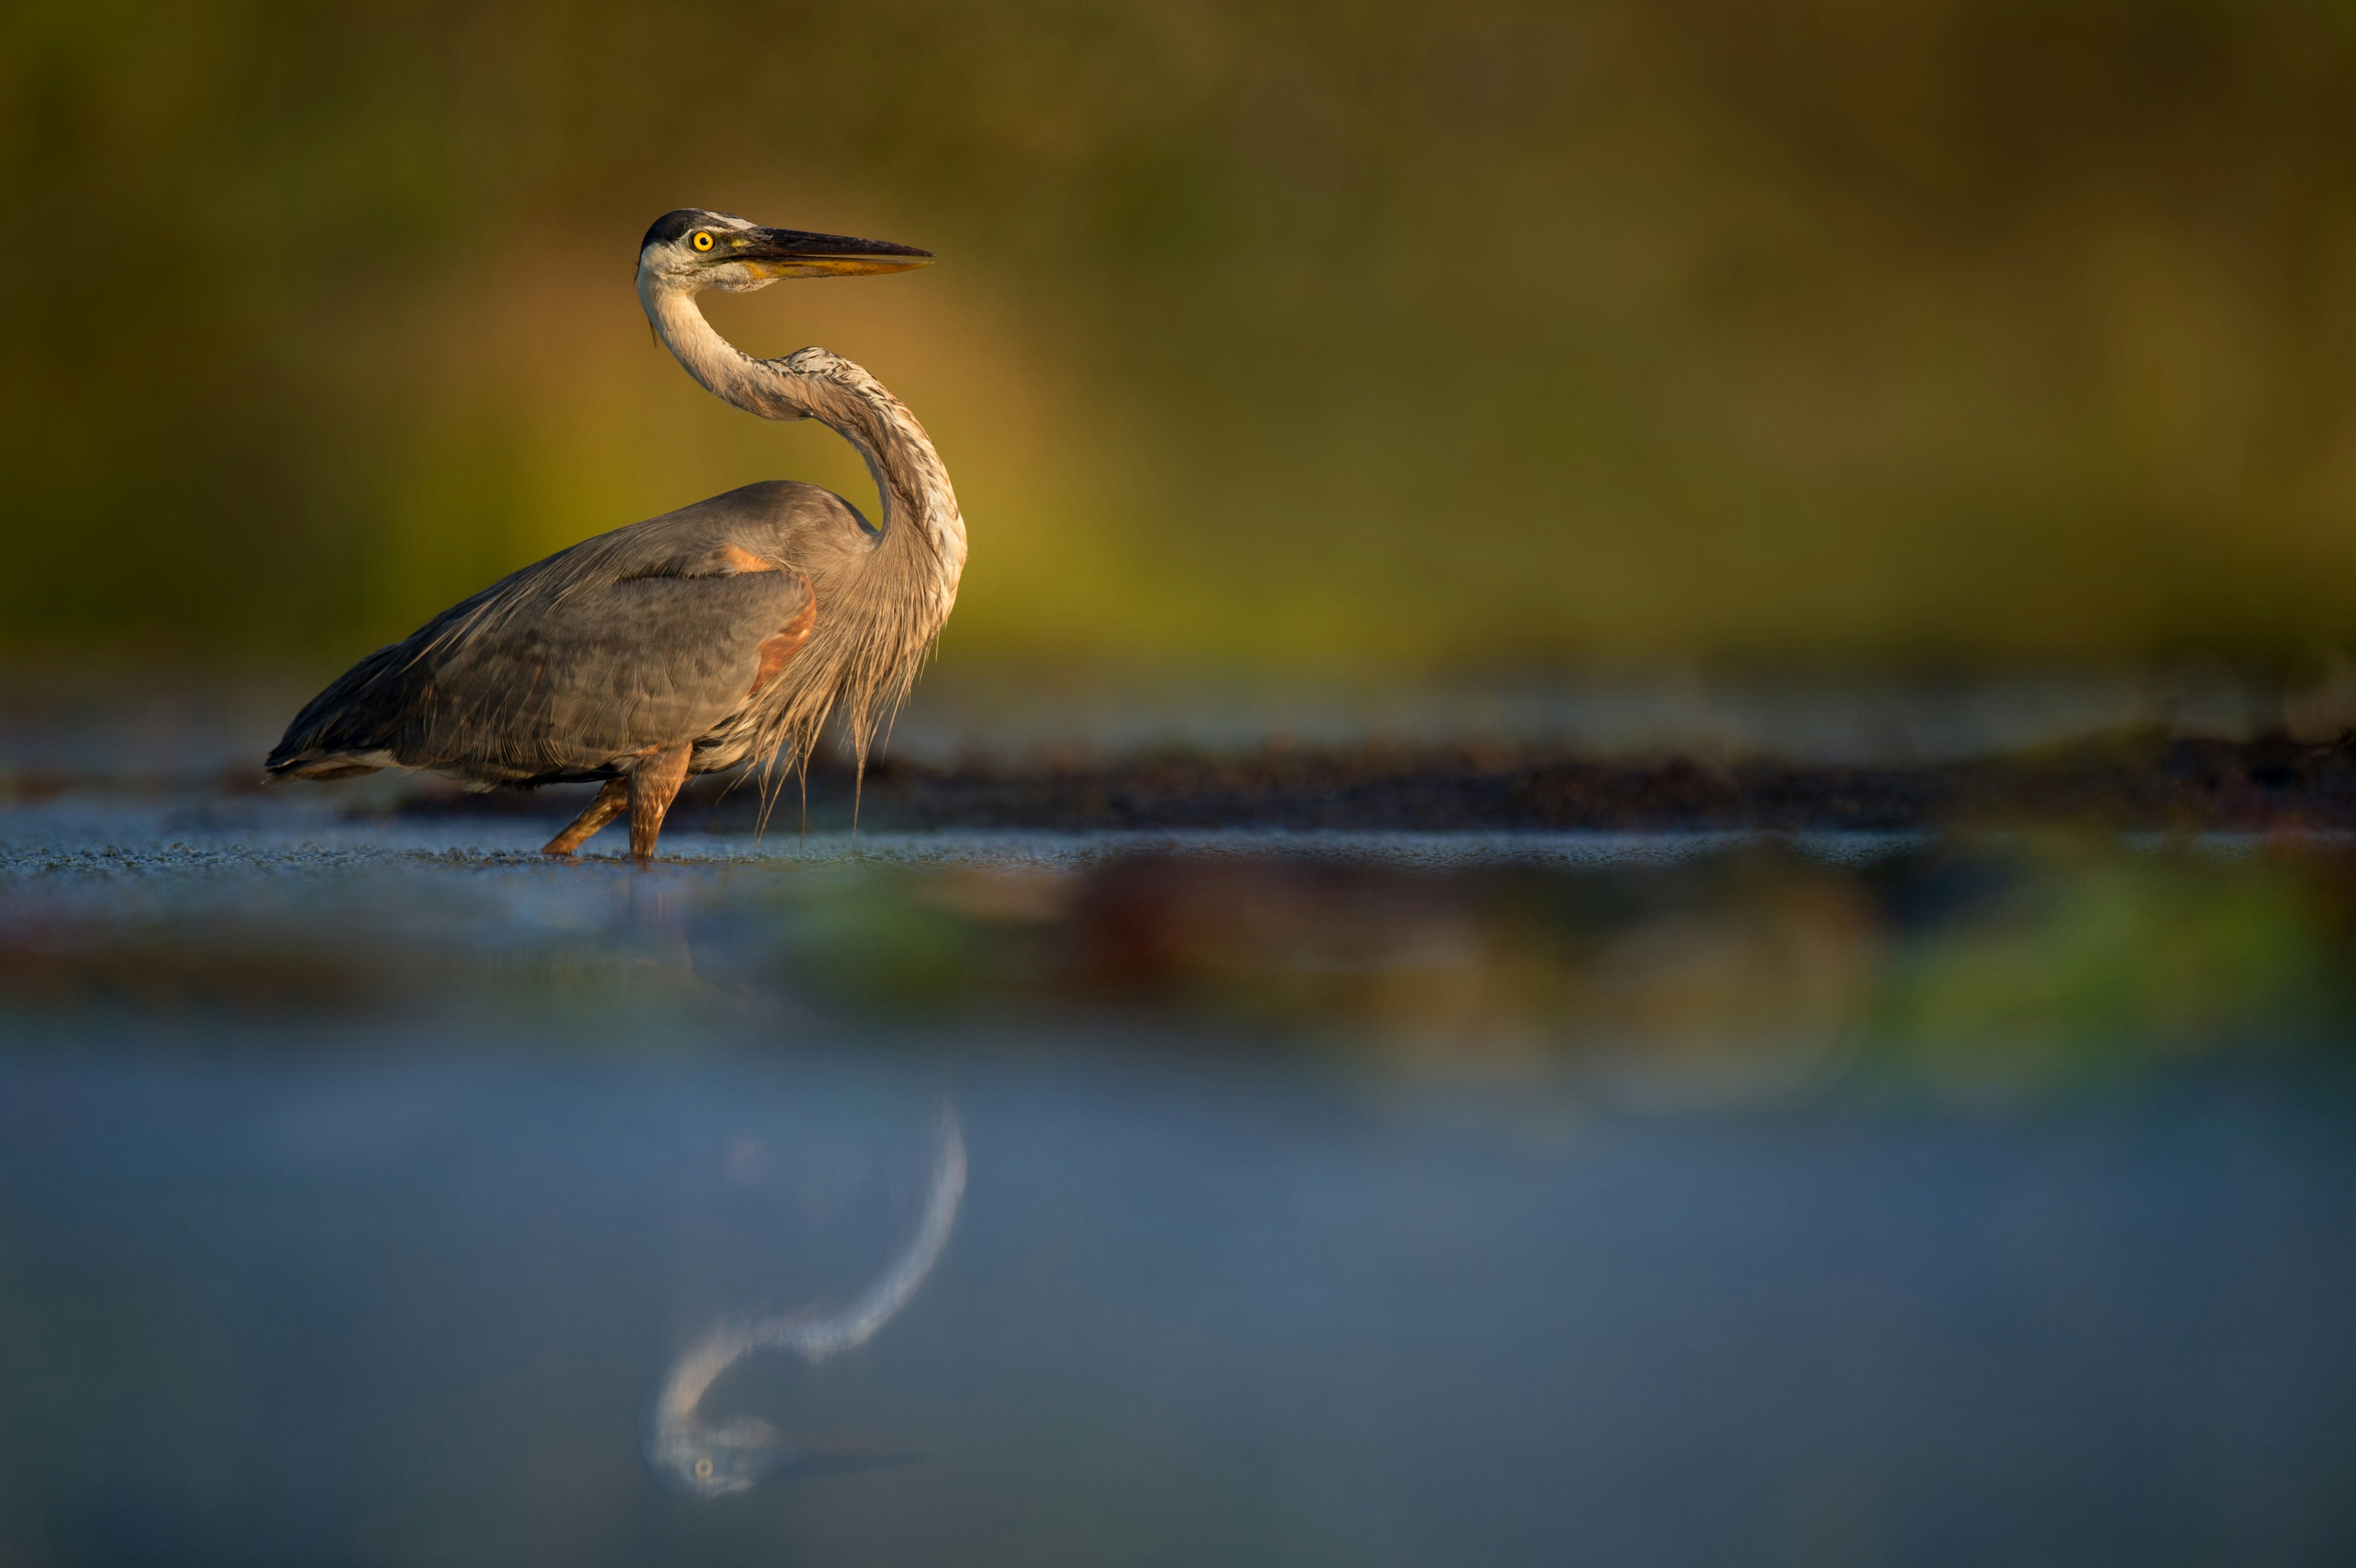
{"x": 866, "y": 939}
{"x": 2004, "y": 962}
{"x": 2090, "y": 961}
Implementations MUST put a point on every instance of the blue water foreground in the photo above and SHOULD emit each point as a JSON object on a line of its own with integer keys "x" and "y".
{"x": 365, "y": 1188}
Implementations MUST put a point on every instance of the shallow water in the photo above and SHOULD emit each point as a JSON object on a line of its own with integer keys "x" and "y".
{"x": 1348, "y": 1198}
{"x": 303, "y": 1308}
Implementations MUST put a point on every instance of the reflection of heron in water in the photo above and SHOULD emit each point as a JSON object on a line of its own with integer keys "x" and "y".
{"x": 711, "y": 1460}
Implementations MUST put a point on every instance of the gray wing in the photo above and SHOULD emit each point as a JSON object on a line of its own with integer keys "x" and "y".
{"x": 641, "y": 639}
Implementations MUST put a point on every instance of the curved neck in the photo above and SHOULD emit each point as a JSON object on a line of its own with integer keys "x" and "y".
{"x": 815, "y": 384}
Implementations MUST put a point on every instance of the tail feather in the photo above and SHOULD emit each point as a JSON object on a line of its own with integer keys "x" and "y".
{"x": 351, "y": 720}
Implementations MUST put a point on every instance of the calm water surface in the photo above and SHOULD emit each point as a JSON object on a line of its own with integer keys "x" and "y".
{"x": 362, "y": 1188}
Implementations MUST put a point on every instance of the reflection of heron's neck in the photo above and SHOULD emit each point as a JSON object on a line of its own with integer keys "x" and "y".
{"x": 815, "y": 384}
{"x": 679, "y": 1437}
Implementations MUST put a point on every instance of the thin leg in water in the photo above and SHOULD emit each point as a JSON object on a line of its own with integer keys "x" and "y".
{"x": 652, "y": 789}
{"x": 595, "y": 815}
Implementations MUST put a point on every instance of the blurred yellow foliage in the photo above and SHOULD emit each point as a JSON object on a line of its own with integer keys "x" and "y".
{"x": 1300, "y": 336}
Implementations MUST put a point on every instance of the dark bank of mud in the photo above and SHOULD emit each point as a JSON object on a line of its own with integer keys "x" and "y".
{"x": 2137, "y": 781}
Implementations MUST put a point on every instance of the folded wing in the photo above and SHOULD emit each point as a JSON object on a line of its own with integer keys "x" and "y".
{"x": 627, "y": 643}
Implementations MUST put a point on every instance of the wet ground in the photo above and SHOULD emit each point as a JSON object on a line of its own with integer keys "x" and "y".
{"x": 1335, "y": 1186}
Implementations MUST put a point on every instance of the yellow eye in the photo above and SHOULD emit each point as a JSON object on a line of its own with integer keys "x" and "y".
{"x": 703, "y": 241}
{"x": 704, "y": 1466}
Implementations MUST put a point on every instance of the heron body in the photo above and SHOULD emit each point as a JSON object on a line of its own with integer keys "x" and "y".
{"x": 725, "y": 633}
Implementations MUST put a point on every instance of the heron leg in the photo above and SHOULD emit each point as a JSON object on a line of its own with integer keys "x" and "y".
{"x": 595, "y": 815}
{"x": 652, "y": 789}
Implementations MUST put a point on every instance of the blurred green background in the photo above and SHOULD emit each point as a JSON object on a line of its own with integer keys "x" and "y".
{"x": 1837, "y": 333}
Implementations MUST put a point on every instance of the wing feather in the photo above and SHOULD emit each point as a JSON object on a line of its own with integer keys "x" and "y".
{"x": 641, "y": 639}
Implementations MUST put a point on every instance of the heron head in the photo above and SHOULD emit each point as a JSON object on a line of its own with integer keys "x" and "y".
{"x": 694, "y": 248}
{"x": 739, "y": 1453}
{"x": 713, "y": 1461}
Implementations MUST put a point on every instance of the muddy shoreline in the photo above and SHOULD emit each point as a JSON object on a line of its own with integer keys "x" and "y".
{"x": 2148, "y": 780}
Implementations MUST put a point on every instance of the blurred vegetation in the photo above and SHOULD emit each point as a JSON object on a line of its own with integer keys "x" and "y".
{"x": 2000, "y": 962}
{"x": 1301, "y": 335}
{"x": 1738, "y": 973}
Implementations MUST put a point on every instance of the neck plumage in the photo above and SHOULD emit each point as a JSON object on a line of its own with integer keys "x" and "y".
{"x": 878, "y": 612}
{"x": 920, "y": 510}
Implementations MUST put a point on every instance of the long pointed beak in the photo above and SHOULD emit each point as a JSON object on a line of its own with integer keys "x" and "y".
{"x": 791, "y": 253}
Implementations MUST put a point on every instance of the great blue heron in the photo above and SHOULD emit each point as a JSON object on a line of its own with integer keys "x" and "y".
{"x": 724, "y": 633}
